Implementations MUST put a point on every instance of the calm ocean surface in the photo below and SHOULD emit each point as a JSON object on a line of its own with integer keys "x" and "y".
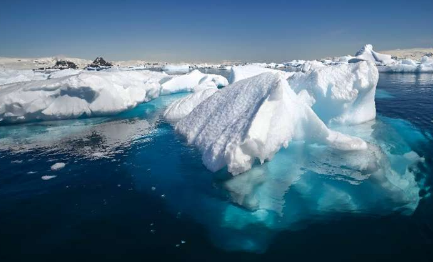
{"x": 132, "y": 190}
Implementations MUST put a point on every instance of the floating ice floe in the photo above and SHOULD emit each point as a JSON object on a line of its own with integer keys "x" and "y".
{"x": 409, "y": 66}
{"x": 48, "y": 177}
{"x": 72, "y": 93}
{"x": 58, "y": 166}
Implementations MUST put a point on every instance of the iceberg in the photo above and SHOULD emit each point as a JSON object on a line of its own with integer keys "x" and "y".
{"x": 339, "y": 94}
{"x": 409, "y": 66}
{"x": 72, "y": 94}
{"x": 190, "y": 81}
{"x": 252, "y": 119}
{"x": 368, "y": 54}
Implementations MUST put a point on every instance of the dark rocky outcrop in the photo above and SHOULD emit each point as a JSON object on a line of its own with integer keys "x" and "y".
{"x": 98, "y": 64}
{"x": 62, "y": 64}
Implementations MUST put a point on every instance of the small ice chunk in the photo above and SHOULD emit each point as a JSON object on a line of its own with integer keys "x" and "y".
{"x": 58, "y": 166}
{"x": 47, "y": 177}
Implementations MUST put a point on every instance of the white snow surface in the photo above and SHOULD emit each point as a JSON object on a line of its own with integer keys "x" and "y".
{"x": 252, "y": 119}
{"x": 9, "y": 76}
{"x": 238, "y": 73}
{"x": 73, "y": 93}
{"x": 182, "y": 107}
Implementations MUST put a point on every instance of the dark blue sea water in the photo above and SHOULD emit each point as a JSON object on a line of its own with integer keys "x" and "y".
{"x": 132, "y": 190}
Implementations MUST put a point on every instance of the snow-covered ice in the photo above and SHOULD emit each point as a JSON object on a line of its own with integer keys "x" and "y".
{"x": 188, "y": 82}
{"x": 425, "y": 65}
{"x": 9, "y": 76}
{"x": 368, "y": 54}
{"x": 254, "y": 118}
{"x": 182, "y": 107}
{"x": 72, "y": 93}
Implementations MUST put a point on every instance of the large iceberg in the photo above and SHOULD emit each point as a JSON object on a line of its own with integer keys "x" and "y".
{"x": 252, "y": 119}
{"x": 72, "y": 93}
